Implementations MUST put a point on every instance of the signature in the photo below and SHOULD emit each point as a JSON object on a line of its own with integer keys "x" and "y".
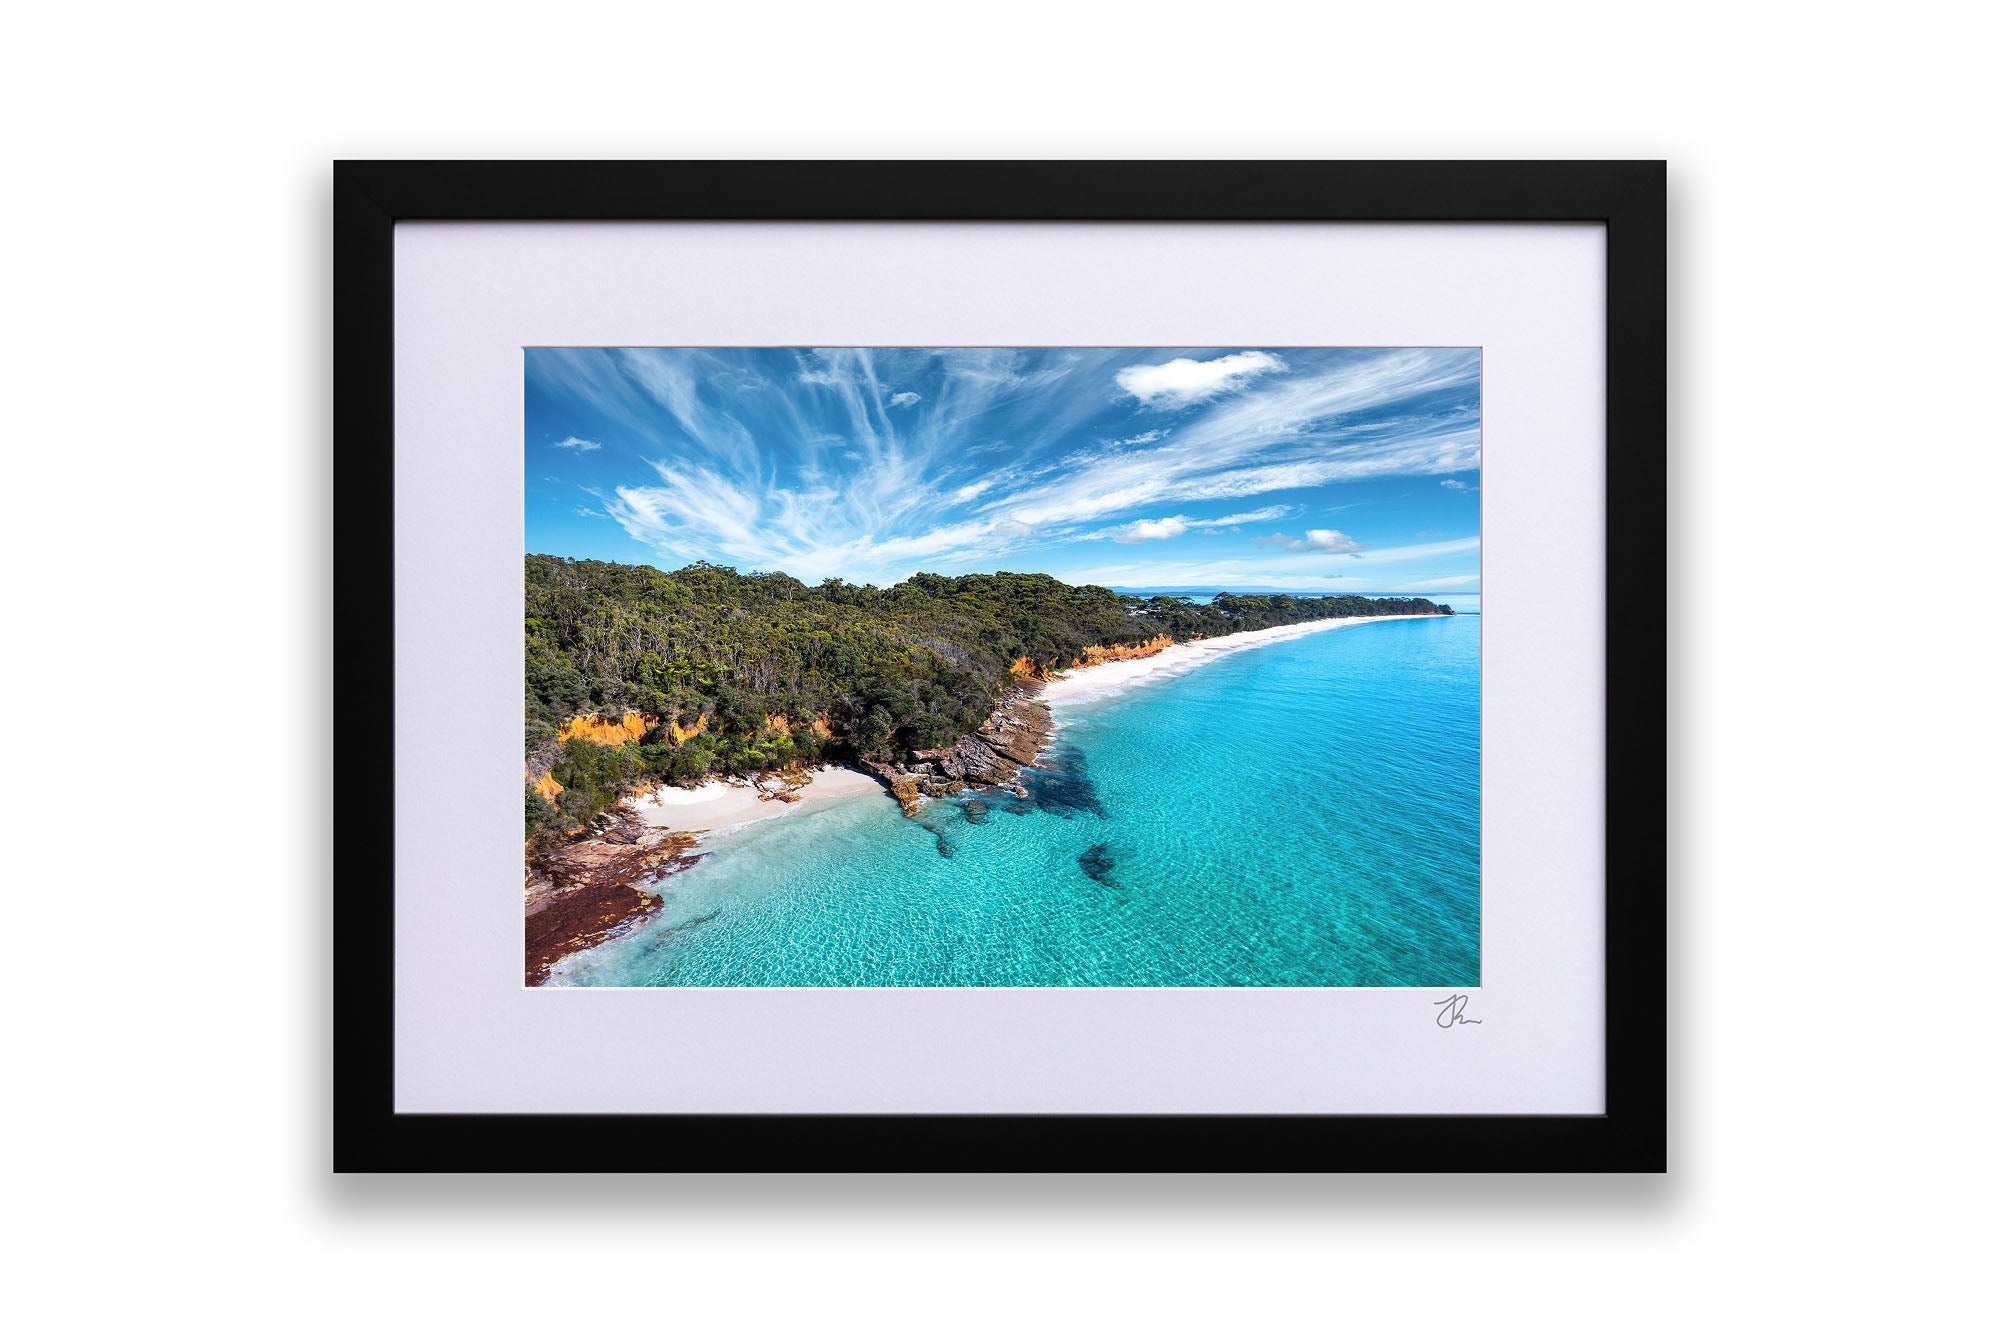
{"x": 1452, "y": 1011}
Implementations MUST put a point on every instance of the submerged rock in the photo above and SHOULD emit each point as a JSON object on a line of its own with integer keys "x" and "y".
{"x": 1097, "y": 862}
{"x": 1063, "y": 787}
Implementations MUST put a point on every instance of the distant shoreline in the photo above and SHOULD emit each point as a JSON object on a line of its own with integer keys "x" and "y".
{"x": 1079, "y": 683}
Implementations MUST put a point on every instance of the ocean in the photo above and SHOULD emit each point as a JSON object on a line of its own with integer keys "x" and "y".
{"x": 1304, "y": 812}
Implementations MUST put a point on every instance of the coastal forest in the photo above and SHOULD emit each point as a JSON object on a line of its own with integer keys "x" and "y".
{"x": 635, "y": 673}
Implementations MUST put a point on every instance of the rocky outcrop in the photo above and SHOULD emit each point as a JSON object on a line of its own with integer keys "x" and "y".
{"x": 903, "y": 786}
{"x": 993, "y": 756}
{"x": 782, "y": 785}
{"x": 581, "y": 892}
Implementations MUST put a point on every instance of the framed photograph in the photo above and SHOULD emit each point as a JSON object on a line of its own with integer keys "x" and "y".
{"x": 1159, "y": 660}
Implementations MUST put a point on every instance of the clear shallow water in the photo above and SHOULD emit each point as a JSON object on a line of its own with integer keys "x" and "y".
{"x": 1301, "y": 813}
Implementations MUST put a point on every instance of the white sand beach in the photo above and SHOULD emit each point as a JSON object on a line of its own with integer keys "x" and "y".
{"x": 1111, "y": 677}
{"x": 719, "y": 804}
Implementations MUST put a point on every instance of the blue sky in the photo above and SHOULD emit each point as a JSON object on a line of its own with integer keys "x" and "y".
{"x": 1312, "y": 469}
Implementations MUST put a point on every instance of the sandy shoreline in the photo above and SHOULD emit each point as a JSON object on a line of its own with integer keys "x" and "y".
{"x": 584, "y": 892}
{"x": 1081, "y": 683}
{"x": 726, "y": 803}
{"x": 718, "y": 804}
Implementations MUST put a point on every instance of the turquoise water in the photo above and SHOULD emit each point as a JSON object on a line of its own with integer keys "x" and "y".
{"x": 1299, "y": 813}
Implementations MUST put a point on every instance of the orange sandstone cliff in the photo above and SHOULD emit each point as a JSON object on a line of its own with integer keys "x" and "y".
{"x": 1027, "y": 668}
{"x": 1094, "y": 654}
{"x": 625, "y": 728}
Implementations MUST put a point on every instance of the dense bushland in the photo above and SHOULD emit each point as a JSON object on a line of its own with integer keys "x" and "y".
{"x": 746, "y": 673}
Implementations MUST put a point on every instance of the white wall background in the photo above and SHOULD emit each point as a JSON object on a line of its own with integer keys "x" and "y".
{"x": 167, "y": 327}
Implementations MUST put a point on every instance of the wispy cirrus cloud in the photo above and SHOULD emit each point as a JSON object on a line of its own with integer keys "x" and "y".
{"x": 870, "y": 463}
{"x": 1383, "y": 567}
{"x": 1265, "y": 515}
{"x": 1309, "y": 430}
{"x": 1161, "y": 529}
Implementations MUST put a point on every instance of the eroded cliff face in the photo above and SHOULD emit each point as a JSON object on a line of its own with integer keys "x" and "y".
{"x": 1027, "y": 668}
{"x": 1125, "y": 652}
{"x": 622, "y": 730}
{"x": 628, "y": 727}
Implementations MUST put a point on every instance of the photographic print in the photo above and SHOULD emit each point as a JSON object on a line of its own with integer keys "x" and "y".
{"x": 998, "y": 666}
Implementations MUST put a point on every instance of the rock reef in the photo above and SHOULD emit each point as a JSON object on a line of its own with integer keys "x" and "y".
{"x": 992, "y": 756}
{"x": 581, "y": 892}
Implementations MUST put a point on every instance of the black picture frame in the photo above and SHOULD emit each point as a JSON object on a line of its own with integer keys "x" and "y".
{"x": 1628, "y": 197}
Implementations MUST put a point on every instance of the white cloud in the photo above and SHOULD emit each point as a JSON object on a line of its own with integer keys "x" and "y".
{"x": 1324, "y": 540}
{"x": 972, "y": 490}
{"x": 1452, "y": 484}
{"x": 905, "y": 399}
{"x": 1181, "y": 381}
{"x": 1143, "y": 437}
{"x": 580, "y": 445}
{"x": 1151, "y": 530}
